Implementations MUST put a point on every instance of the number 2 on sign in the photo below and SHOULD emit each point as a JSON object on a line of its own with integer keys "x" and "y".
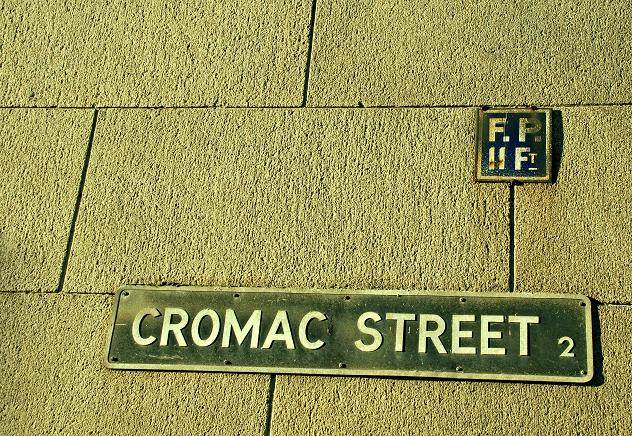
{"x": 569, "y": 348}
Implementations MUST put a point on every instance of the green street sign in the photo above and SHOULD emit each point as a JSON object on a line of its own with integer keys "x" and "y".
{"x": 501, "y": 336}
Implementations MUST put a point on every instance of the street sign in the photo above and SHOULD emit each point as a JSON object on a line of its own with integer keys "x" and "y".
{"x": 503, "y": 336}
{"x": 513, "y": 145}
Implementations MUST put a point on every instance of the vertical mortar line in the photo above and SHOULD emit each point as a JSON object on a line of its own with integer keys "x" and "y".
{"x": 512, "y": 248}
{"x": 270, "y": 401}
{"x": 82, "y": 181}
{"x": 308, "y": 63}
{"x": 310, "y": 41}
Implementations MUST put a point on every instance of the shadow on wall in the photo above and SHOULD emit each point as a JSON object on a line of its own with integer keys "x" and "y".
{"x": 598, "y": 378}
{"x": 557, "y": 137}
{"x": 6, "y": 273}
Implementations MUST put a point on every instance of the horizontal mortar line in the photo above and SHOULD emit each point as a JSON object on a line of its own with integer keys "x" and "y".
{"x": 597, "y": 303}
{"x": 464, "y": 106}
{"x": 150, "y": 107}
{"x": 456, "y": 106}
{"x": 52, "y": 293}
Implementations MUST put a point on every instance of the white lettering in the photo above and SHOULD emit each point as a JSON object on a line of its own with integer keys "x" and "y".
{"x": 524, "y": 322}
{"x": 400, "y": 319}
{"x": 195, "y": 327}
{"x": 231, "y": 323}
{"x": 457, "y": 334}
{"x": 433, "y": 335}
{"x": 280, "y": 320}
{"x": 486, "y": 335}
{"x": 492, "y": 158}
{"x": 377, "y": 336}
{"x": 520, "y": 158}
{"x": 497, "y": 125}
{"x": 136, "y": 326}
{"x": 168, "y": 326}
{"x": 302, "y": 331}
{"x": 528, "y": 125}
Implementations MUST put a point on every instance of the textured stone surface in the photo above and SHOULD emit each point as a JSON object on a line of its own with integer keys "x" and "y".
{"x": 42, "y": 153}
{"x": 288, "y": 198}
{"x": 576, "y": 235}
{"x": 153, "y": 53}
{"x": 53, "y": 379}
{"x": 435, "y": 52}
{"x": 357, "y": 406}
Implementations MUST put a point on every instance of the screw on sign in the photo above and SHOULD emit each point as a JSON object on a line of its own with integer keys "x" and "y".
{"x": 513, "y": 145}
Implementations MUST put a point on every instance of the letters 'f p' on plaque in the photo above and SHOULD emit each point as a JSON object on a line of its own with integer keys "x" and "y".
{"x": 513, "y": 145}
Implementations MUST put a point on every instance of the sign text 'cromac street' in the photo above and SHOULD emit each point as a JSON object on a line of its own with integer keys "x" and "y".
{"x": 466, "y": 335}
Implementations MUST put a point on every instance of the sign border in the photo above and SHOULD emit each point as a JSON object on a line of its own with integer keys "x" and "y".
{"x": 479, "y": 177}
{"x": 463, "y": 375}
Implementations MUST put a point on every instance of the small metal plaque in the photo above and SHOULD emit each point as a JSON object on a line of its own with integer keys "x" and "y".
{"x": 538, "y": 337}
{"x": 514, "y": 145}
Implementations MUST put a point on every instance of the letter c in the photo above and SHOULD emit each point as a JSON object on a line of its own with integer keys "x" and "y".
{"x": 136, "y": 326}
{"x": 302, "y": 330}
